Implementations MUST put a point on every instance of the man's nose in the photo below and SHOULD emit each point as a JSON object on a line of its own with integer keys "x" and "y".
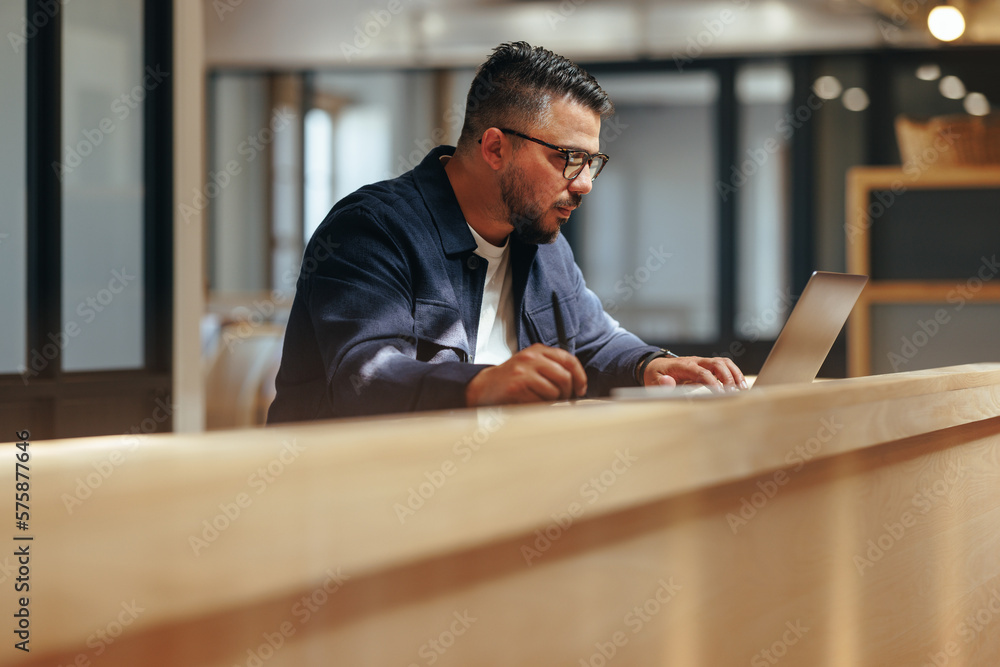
{"x": 582, "y": 183}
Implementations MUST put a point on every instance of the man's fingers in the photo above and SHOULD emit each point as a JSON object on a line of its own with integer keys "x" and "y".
{"x": 663, "y": 380}
{"x": 717, "y": 373}
{"x": 736, "y": 372}
{"x": 556, "y": 376}
{"x": 710, "y": 379}
{"x": 539, "y": 388}
{"x": 571, "y": 365}
{"x": 693, "y": 370}
{"x": 536, "y": 373}
{"x": 546, "y": 374}
{"x": 720, "y": 370}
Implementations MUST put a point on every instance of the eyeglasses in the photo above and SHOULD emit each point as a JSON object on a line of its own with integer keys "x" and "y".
{"x": 575, "y": 160}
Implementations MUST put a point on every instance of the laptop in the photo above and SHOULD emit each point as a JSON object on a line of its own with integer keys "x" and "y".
{"x": 804, "y": 342}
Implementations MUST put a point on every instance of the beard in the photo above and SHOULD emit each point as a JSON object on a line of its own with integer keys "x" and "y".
{"x": 524, "y": 213}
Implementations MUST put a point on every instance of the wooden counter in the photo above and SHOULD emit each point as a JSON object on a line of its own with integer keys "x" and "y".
{"x": 850, "y": 522}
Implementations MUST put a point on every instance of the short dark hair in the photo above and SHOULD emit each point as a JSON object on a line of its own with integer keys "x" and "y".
{"x": 516, "y": 85}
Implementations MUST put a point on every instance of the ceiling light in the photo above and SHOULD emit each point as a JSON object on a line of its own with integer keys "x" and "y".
{"x": 928, "y": 72}
{"x": 946, "y": 23}
{"x": 976, "y": 104}
{"x": 827, "y": 87}
{"x": 952, "y": 87}
{"x": 855, "y": 99}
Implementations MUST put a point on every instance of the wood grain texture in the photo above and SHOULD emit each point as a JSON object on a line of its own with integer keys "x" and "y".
{"x": 538, "y": 546}
{"x": 919, "y": 291}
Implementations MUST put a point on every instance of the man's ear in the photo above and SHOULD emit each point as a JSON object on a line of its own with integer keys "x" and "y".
{"x": 493, "y": 149}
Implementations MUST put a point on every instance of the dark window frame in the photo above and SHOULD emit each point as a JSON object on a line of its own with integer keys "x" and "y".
{"x": 36, "y": 402}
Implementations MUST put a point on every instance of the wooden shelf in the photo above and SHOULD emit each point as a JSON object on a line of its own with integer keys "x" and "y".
{"x": 862, "y": 214}
{"x": 916, "y": 291}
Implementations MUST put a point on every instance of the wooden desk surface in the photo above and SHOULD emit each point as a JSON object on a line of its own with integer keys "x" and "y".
{"x": 738, "y": 521}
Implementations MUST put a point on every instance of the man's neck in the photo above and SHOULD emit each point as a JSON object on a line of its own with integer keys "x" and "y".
{"x": 476, "y": 201}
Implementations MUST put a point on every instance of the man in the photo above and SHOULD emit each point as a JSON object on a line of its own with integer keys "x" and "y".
{"x": 450, "y": 286}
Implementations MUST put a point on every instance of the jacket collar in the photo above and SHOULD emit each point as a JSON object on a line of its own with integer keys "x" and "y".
{"x": 433, "y": 184}
{"x": 456, "y": 239}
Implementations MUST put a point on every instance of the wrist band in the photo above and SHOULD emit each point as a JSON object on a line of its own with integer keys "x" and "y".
{"x": 640, "y": 372}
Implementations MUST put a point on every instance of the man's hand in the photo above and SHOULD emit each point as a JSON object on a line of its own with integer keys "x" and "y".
{"x": 536, "y": 373}
{"x": 718, "y": 373}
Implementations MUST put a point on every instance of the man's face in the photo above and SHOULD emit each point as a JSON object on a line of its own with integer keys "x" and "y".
{"x": 538, "y": 198}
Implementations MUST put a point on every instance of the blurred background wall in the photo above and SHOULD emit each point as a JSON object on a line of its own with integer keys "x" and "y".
{"x": 736, "y": 124}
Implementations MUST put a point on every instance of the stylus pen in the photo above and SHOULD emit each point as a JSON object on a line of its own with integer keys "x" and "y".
{"x": 560, "y": 325}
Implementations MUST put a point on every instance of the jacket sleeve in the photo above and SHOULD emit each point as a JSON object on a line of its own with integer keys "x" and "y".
{"x": 608, "y": 352}
{"x": 361, "y": 308}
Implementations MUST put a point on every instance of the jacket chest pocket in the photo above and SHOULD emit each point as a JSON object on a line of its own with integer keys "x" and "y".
{"x": 555, "y": 324}
{"x": 440, "y": 332}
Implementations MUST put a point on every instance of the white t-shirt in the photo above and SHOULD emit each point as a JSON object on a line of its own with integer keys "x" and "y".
{"x": 496, "y": 342}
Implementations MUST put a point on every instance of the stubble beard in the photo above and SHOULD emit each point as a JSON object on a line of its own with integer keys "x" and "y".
{"x": 523, "y": 212}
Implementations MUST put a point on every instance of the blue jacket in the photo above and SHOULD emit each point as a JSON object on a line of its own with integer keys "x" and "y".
{"x": 386, "y": 308}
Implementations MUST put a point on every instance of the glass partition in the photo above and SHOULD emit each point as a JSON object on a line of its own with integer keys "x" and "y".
{"x": 13, "y": 225}
{"x": 648, "y": 230}
{"x": 759, "y": 178}
{"x": 104, "y": 87}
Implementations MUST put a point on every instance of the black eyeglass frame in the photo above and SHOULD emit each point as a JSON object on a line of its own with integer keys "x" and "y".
{"x": 567, "y": 153}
